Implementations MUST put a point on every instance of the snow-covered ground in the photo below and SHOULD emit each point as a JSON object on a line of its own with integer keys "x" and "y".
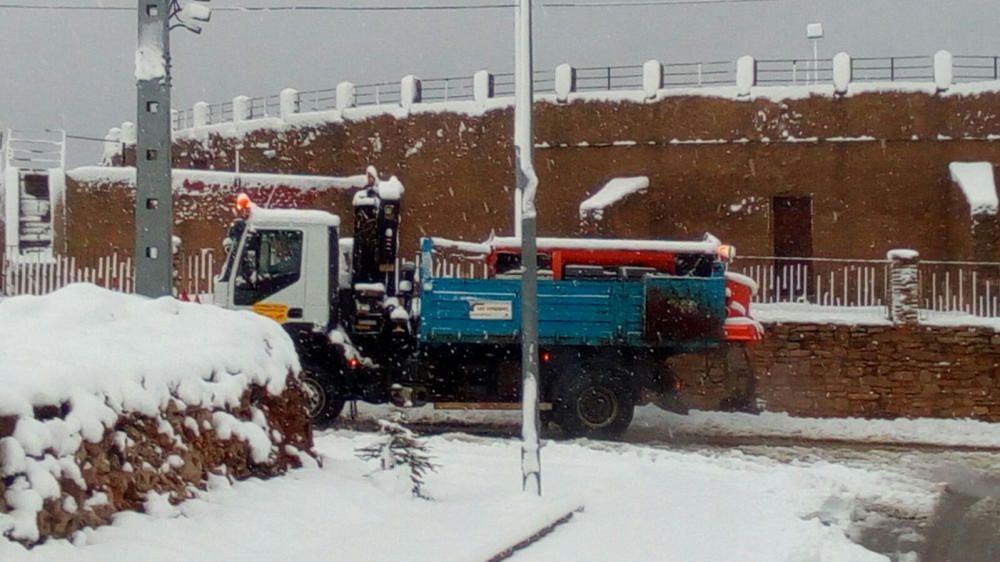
{"x": 638, "y": 504}
{"x": 652, "y": 423}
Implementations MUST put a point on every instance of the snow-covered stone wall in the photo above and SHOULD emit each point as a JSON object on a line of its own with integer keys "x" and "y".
{"x": 874, "y": 162}
{"x": 110, "y": 402}
{"x": 869, "y": 371}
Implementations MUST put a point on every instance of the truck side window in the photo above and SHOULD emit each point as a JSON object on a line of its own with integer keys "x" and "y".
{"x": 271, "y": 261}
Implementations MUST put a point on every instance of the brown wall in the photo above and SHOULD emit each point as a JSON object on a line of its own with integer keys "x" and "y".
{"x": 888, "y": 191}
{"x": 865, "y": 371}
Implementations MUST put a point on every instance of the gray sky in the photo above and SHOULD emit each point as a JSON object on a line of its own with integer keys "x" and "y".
{"x": 74, "y": 70}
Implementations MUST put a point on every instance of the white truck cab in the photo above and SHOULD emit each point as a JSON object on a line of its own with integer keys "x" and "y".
{"x": 283, "y": 264}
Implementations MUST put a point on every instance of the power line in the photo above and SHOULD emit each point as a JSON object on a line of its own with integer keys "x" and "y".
{"x": 66, "y": 7}
{"x": 633, "y": 3}
{"x": 392, "y": 8}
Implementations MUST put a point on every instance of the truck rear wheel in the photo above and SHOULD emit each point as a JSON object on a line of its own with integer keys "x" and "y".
{"x": 321, "y": 404}
{"x": 593, "y": 404}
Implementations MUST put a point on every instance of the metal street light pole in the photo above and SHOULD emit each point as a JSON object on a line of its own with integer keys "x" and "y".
{"x": 153, "y": 193}
{"x": 814, "y": 31}
{"x": 527, "y": 183}
{"x": 154, "y": 202}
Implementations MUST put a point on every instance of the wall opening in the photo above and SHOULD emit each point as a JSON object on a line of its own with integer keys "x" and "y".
{"x": 792, "y": 237}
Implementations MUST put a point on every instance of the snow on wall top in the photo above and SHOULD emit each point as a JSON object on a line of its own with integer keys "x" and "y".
{"x": 614, "y": 191}
{"x": 105, "y": 174}
{"x": 975, "y": 179}
{"x": 103, "y": 354}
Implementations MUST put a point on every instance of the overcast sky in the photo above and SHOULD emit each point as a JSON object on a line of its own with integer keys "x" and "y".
{"x": 74, "y": 70}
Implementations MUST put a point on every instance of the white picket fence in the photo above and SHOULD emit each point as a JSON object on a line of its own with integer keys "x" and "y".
{"x": 967, "y": 287}
{"x": 195, "y": 274}
{"x": 827, "y": 282}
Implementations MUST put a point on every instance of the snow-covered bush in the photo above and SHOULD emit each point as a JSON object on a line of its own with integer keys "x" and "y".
{"x": 398, "y": 446}
{"x": 108, "y": 401}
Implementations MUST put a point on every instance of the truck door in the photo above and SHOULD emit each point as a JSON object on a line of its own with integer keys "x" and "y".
{"x": 270, "y": 277}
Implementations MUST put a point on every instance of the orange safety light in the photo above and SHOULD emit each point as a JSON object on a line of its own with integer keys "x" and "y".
{"x": 546, "y": 357}
{"x": 353, "y": 362}
{"x": 243, "y": 203}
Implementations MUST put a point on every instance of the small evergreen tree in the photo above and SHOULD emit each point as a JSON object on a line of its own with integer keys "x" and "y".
{"x": 400, "y": 446}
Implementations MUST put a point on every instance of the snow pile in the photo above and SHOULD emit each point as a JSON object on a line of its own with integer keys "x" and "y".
{"x": 975, "y": 179}
{"x": 107, "y": 397}
{"x": 614, "y": 191}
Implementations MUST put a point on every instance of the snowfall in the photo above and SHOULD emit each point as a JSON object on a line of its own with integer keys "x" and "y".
{"x": 631, "y": 502}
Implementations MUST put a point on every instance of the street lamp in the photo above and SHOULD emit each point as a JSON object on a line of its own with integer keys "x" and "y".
{"x": 814, "y": 31}
{"x": 154, "y": 208}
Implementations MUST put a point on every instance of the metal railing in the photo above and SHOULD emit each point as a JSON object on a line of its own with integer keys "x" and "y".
{"x": 769, "y": 72}
{"x": 892, "y": 69}
{"x": 968, "y": 287}
{"x": 827, "y": 282}
{"x": 794, "y": 72}
{"x": 972, "y": 68}
{"x": 195, "y": 274}
{"x": 944, "y": 286}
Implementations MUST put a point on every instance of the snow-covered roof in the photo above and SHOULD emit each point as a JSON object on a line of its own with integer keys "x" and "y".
{"x": 260, "y": 216}
{"x": 975, "y": 179}
{"x": 614, "y": 191}
{"x": 181, "y": 177}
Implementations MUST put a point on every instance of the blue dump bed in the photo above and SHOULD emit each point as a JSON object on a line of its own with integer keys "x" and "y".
{"x": 683, "y": 313}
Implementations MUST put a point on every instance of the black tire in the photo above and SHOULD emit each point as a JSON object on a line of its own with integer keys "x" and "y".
{"x": 593, "y": 404}
{"x": 321, "y": 404}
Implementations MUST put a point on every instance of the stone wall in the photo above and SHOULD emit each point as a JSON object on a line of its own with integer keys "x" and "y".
{"x": 170, "y": 456}
{"x": 874, "y": 165}
{"x": 821, "y": 370}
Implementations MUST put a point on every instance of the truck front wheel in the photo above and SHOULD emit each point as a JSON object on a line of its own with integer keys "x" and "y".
{"x": 321, "y": 404}
{"x": 592, "y": 404}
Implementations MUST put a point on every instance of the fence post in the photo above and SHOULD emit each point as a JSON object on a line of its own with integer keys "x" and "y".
{"x": 746, "y": 75}
{"x": 241, "y": 109}
{"x": 652, "y": 78}
{"x": 288, "y": 100}
{"x": 842, "y": 72}
{"x": 410, "y": 91}
{"x": 904, "y": 287}
{"x": 128, "y": 133}
{"x": 483, "y": 86}
{"x": 943, "y": 70}
{"x": 200, "y": 114}
{"x": 345, "y": 95}
{"x": 565, "y": 81}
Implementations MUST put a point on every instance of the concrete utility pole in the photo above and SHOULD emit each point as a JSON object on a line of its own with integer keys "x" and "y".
{"x": 154, "y": 205}
{"x": 527, "y": 183}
